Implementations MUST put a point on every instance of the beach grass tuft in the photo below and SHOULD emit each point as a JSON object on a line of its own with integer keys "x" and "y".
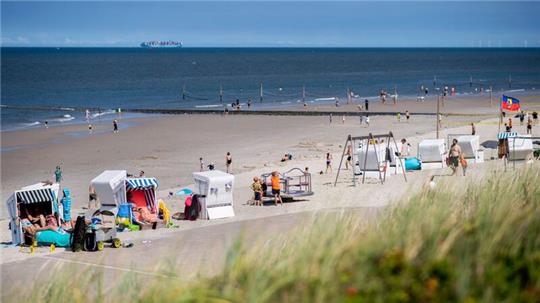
{"x": 477, "y": 242}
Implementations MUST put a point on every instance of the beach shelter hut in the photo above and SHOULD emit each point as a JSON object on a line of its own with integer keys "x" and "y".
{"x": 432, "y": 153}
{"x": 39, "y": 198}
{"x": 470, "y": 146}
{"x": 216, "y": 193}
{"x": 110, "y": 188}
{"x": 520, "y": 147}
{"x": 143, "y": 192}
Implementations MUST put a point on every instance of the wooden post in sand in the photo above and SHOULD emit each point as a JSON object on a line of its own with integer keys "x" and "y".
{"x": 437, "y": 118}
{"x": 261, "y": 93}
{"x": 221, "y": 93}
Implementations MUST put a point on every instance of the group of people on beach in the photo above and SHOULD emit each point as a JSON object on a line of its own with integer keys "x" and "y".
{"x": 259, "y": 188}
{"x": 532, "y": 119}
{"x": 212, "y": 166}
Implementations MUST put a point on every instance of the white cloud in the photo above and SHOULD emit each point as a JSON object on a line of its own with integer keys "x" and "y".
{"x": 19, "y": 40}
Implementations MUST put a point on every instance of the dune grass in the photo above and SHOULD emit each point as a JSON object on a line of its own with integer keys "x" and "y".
{"x": 477, "y": 243}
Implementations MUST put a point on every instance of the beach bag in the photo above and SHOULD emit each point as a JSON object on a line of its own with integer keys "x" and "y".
{"x": 77, "y": 236}
{"x": 90, "y": 243}
{"x": 194, "y": 209}
{"x": 463, "y": 162}
{"x": 413, "y": 164}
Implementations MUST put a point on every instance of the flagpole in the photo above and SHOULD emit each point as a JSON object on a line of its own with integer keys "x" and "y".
{"x": 437, "y": 118}
{"x": 500, "y": 116}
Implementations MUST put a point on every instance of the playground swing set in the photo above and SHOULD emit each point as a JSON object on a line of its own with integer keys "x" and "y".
{"x": 381, "y": 162}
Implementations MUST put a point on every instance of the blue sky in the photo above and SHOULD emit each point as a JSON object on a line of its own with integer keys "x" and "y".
{"x": 276, "y": 24}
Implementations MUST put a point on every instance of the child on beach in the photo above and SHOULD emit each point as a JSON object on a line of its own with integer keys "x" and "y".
{"x": 407, "y": 115}
{"x": 398, "y": 117}
{"x": 463, "y": 163}
{"x": 115, "y": 126}
{"x": 257, "y": 191}
{"x": 58, "y": 174}
{"x": 276, "y": 188}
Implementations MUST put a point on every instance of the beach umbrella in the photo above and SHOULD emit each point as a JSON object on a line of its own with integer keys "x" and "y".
{"x": 184, "y": 192}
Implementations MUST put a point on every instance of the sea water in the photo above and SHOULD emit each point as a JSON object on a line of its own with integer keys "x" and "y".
{"x": 58, "y": 84}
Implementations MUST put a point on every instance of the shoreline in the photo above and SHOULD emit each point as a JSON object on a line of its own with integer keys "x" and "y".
{"x": 291, "y": 108}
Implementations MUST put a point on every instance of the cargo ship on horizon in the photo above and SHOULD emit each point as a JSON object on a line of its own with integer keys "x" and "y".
{"x": 161, "y": 44}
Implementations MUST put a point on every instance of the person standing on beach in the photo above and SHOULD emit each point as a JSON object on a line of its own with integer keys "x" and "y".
{"x": 426, "y": 91}
{"x": 330, "y": 118}
{"x": 366, "y": 104}
{"x": 521, "y": 118}
{"x": 407, "y": 115}
{"x": 405, "y": 149}
{"x": 343, "y": 120}
{"x": 361, "y": 119}
{"x": 249, "y": 103}
{"x": 328, "y": 162}
{"x": 58, "y": 174}
{"x": 454, "y": 155}
{"x": 367, "y": 121}
{"x": 398, "y": 117}
{"x": 276, "y": 187}
{"x": 535, "y": 117}
{"x": 510, "y": 123}
{"x": 46, "y": 124}
{"x": 529, "y": 126}
{"x": 115, "y": 126}
{"x": 228, "y": 162}
{"x": 473, "y": 129}
{"x": 201, "y": 164}
{"x": 349, "y": 157}
{"x": 90, "y": 128}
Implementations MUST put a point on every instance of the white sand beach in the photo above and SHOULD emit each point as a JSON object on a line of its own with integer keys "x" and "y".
{"x": 169, "y": 147}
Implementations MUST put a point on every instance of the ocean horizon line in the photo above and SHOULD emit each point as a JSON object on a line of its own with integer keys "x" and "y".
{"x": 278, "y": 47}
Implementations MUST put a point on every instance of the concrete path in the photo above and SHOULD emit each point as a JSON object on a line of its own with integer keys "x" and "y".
{"x": 183, "y": 254}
